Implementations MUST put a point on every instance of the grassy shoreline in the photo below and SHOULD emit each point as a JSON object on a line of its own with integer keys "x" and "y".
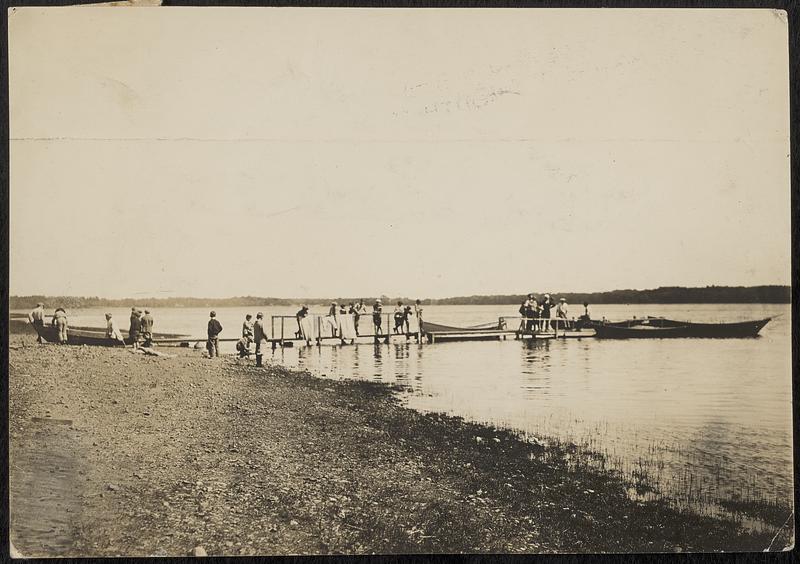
{"x": 159, "y": 455}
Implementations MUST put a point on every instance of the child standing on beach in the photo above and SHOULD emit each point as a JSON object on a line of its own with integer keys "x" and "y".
{"x": 214, "y": 329}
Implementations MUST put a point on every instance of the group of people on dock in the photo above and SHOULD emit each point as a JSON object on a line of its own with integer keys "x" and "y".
{"x": 342, "y": 321}
{"x": 355, "y": 311}
{"x": 536, "y": 314}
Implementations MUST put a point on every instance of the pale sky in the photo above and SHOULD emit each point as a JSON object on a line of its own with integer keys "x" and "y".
{"x": 298, "y": 152}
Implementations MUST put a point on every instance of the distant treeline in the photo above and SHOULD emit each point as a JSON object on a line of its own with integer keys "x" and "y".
{"x": 663, "y": 295}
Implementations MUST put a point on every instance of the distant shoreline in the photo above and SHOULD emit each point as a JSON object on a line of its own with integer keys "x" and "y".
{"x": 663, "y": 295}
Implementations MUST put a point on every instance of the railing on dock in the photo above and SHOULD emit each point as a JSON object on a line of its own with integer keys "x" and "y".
{"x": 318, "y": 327}
{"x": 538, "y": 325}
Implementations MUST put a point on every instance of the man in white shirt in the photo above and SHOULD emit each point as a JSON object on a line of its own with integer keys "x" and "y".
{"x": 36, "y": 317}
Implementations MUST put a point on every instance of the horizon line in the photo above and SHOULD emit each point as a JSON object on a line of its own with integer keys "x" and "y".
{"x": 324, "y": 298}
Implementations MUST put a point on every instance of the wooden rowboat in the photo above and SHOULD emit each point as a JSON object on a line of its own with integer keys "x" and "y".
{"x": 92, "y": 336}
{"x": 659, "y": 328}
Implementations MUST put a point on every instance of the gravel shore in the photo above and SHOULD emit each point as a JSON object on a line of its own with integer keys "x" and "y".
{"x": 115, "y": 453}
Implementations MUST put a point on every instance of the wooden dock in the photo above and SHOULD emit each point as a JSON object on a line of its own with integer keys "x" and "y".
{"x": 283, "y": 337}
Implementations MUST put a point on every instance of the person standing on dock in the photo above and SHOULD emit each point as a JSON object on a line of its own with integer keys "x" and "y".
{"x": 146, "y": 329}
{"x": 398, "y": 317}
{"x": 418, "y": 313}
{"x": 60, "y": 322}
{"x": 333, "y": 320}
{"x": 358, "y": 311}
{"x": 300, "y": 315}
{"x": 259, "y": 333}
{"x": 214, "y": 329}
{"x": 36, "y": 318}
{"x": 377, "y": 317}
{"x": 524, "y": 307}
{"x": 112, "y": 331}
{"x": 561, "y": 312}
{"x": 547, "y": 305}
{"x": 406, "y": 324}
{"x": 135, "y": 327}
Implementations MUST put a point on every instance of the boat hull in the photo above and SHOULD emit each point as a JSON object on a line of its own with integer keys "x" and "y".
{"x": 670, "y": 329}
{"x": 89, "y": 336}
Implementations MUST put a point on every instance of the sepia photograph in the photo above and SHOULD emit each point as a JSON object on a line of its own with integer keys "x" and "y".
{"x": 377, "y": 281}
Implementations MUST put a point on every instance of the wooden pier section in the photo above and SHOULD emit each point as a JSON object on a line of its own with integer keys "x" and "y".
{"x": 286, "y": 335}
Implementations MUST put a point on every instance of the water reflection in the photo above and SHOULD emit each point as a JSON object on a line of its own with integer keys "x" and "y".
{"x": 702, "y": 418}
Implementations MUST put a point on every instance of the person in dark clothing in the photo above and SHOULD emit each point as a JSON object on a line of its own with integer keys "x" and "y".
{"x": 406, "y": 323}
{"x": 134, "y": 328}
{"x": 584, "y": 320}
{"x": 146, "y": 329}
{"x": 214, "y": 329}
{"x": 259, "y": 332}
{"x": 300, "y": 315}
{"x": 398, "y": 317}
{"x": 547, "y": 305}
{"x": 243, "y": 347}
{"x": 377, "y": 317}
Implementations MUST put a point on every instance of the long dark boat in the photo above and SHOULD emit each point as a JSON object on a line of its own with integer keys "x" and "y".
{"x": 660, "y": 328}
{"x": 92, "y": 336}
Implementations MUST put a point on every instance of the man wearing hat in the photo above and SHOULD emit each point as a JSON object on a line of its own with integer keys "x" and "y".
{"x": 135, "y": 327}
{"x": 36, "y": 317}
{"x": 259, "y": 333}
{"x": 561, "y": 311}
{"x": 214, "y": 329}
{"x": 146, "y": 329}
{"x": 300, "y": 315}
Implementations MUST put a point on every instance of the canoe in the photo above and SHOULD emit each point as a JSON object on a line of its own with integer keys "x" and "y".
{"x": 428, "y": 327}
{"x": 91, "y": 336}
{"x": 659, "y": 328}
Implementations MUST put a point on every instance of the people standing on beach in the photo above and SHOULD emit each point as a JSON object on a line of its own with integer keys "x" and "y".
{"x": 146, "y": 329}
{"x": 247, "y": 330}
{"x": 259, "y": 332}
{"x": 60, "y": 323}
{"x": 418, "y": 314}
{"x": 359, "y": 310}
{"x": 135, "y": 327}
{"x": 377, "y": 317}
{"x": 112, "y": 331}
{"x": 36, "y": 318}
{"x": 398, "y": 317}
{"x": 214, "y": 329}
{"x": 300, "y": 315}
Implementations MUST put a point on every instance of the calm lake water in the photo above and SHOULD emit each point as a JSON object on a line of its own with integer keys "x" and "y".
{"x": 704, "y": 418}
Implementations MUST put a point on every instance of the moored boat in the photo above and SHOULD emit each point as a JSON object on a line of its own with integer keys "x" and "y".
{"x": 92, "y": 336}
{"x": 660, "y": 328}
